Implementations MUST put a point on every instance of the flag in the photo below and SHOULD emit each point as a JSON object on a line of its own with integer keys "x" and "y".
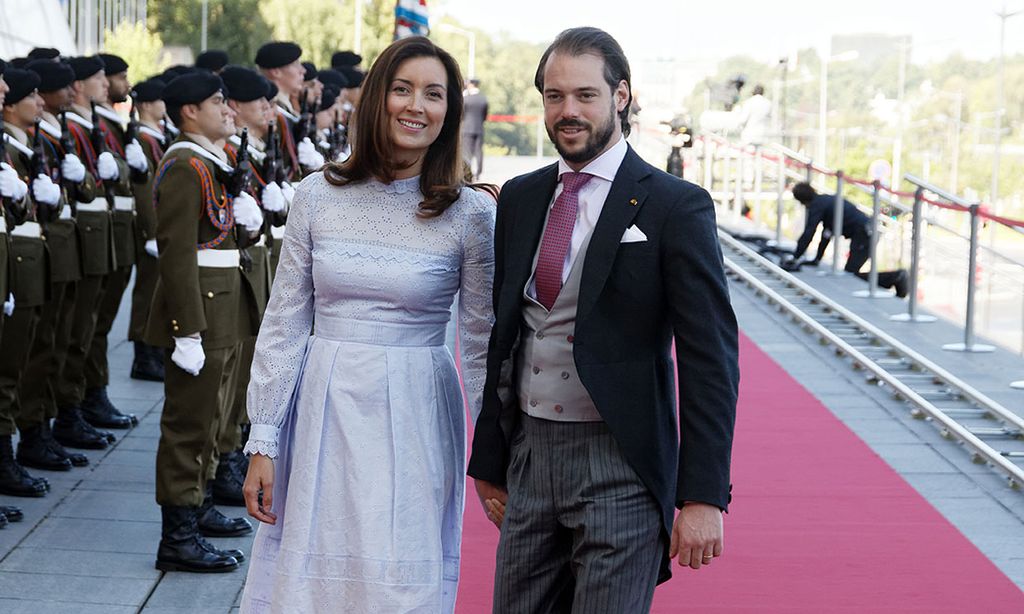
{"x": 411, "y": 18}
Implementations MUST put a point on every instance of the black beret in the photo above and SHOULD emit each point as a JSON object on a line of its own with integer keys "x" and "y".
{"x": 175, "y": 71}
{"x": 277, "y": 54}
{"x": 311, "y": 71}
{"x": 3, "y": 66}
{"x": 329, "y": 76}
{"x": 19, "y": 62}
{"x": 85, "y": 66}
{"x": 53, "y": 76}
{"x": 21, "y": 83}
{"x": 44, "y": 53}
{"x": 192, "y": 88}
{"x": 212, "y": 59}
{"x": 244, "y": 84}
{"x": 272, "y": 91}
{"x": 329, "y": 97}
{"x": 345, "y": 58}
{"x": 113, "y": 64}
{"x": 149, "y": 90}
{"x": 354, "y": 76}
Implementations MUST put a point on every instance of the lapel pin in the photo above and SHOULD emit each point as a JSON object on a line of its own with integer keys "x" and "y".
{"x": 632, "y": 201}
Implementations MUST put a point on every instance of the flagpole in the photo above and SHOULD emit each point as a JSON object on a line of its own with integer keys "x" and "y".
{"x": 358, "y": 44}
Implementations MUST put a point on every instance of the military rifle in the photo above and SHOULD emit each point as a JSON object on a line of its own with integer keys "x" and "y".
{"x": 37, "y": 168}
{"x": 237, "y": 184}
{"x": 67, "y": 144}
{"x": 15, "y": 210}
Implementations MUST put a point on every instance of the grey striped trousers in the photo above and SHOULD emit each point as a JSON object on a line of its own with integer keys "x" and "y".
{"x": 582, "y": 534}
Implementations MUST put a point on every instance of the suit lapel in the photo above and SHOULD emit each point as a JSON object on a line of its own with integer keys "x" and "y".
{"x": 531, "y": 207}
{"x": 620, "y": 208}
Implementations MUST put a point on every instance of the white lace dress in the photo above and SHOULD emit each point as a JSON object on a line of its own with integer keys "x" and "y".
{"x": 365, "y": 416}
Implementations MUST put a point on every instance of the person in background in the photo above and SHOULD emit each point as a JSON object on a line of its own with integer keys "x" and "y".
{"x": 473, "y": 118}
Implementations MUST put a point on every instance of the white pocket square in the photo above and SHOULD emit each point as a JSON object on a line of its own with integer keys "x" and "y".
{"x": 633, "y": 235}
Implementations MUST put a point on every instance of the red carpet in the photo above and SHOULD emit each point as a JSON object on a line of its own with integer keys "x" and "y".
{"x": 819, "y": 523}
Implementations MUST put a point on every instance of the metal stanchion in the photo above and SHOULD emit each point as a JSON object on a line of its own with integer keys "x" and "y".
{"x": 726, "y": 177}
{"x": 758, "y": 177}
{"x": 837, "y": 226}
{"x": 737, "y": 204}
{"x": 876, "y": 211}
{"x": 916, "y": 222}
{"x": 972, "y": 266}
{"x": 779, "y": 211}
{"x": 810, "y": 171}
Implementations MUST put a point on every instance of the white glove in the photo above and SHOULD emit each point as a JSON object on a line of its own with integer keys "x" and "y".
{"x": 289, "y": 193}
{"x": 72, "y": 169}
{"x": 11, "y": 186}
{"x": 106, "y": 166}
{"x": 247, "y": 212}
{"x": 9, "y": 305}
{"x": 45, "y": 191}
{"x": 188, "y": 354}
{"x": 308, "y": 155}
{"x": 151, "y": 249}
{"x": 273, "y": 198}
{"x": 135, "y": 158}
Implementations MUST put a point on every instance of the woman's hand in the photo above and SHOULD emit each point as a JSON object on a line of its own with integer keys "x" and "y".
{"x": 260, "y": 478}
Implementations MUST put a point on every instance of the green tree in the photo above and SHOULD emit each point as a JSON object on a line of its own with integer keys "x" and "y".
{"x": 236, "y": 26}
{"x": 139, "y": 47}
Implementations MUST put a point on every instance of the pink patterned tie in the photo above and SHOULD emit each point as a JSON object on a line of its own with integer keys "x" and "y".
{"x": 557, "y": 238}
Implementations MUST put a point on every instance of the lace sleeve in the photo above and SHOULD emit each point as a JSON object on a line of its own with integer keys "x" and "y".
{"x": 476, "y": 316}
{"x": 285, "y": 330}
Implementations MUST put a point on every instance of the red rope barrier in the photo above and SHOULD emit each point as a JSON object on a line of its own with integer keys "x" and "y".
{"x": 1005, "y": 221}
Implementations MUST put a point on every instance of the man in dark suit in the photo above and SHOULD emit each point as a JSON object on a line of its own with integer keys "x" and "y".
{"x": 601, "y": 261}
{"x": 474, "y": 114}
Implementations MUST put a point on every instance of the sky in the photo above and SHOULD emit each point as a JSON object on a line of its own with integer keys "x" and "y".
{"x": 709, "y": 30}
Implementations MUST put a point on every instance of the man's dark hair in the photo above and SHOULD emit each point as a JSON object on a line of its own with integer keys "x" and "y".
{"x": 804, "y": 193}
{"x": 578, "y": 41}
{"x": 758, "y": 90}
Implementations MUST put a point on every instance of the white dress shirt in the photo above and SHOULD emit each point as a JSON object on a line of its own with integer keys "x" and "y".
{"x": 591, "y": 203}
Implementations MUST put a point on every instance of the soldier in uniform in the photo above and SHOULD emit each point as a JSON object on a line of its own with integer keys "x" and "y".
{"x": 37, "y": 389}
{"x": 279, "y": 62}
{"x": 202, "y": 311}
{"x": 247, "y": 96}
{"x": 96, "y": 407}
{"x": 149, "y": 360}
{"x": 14, "y": 480}
{"x": 96, "y": 234}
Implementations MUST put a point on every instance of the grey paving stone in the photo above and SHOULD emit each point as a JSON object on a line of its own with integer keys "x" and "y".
{"x": 190, "y": 591}
{"x": 113, "y": 485}
{"x": 979, "y": 513}
{"x": 882, "y": 432}
{"x": 190, "y": 610}
{"x": 144, "y": 472}
{"x": 35, "y": 606}
{"x": 96, "y": 535}
{"x": 138, "y": 458}
{"x": 81, "y": 563}
{"x": 104, "y": 505}
{"x": 934, "y": 485}
{"x": 913, "y": 458}
{"x": 82, "y": 589}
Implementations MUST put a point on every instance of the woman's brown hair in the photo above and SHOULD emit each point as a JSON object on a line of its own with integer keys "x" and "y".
{"x": 373, "y": 154}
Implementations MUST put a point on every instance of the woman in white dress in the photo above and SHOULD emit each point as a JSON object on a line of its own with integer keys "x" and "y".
{"x": 358, "y": 422}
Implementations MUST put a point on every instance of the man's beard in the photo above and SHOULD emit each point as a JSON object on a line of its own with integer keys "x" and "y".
{"x": 598, "y": 138}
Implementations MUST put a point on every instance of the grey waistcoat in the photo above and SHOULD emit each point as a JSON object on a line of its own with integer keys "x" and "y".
{"x": 549, "y": 386}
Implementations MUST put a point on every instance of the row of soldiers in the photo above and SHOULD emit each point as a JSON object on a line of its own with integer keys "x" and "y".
{"x": 192, "y": 192}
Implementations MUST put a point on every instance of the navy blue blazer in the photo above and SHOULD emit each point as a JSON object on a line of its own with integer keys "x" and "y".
{"x": 634, "y": 300}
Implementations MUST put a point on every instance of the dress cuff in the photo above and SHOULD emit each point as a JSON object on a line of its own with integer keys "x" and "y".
{"x": 263, "y": 440}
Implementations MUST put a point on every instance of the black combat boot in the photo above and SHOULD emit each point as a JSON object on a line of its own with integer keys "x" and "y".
{"x": 182, "y": 548}
{"x": 13, "y": 514}
{"x": 234, "y": 553}
{"x": 214, "y": 524}
{"x": 71, "y": 430}
{"x": 101, "y": 413}
{"x": 148, "y": 364}
{"x": 34, "y": 451}
{"x": 227, "y": 485}
{"x": 77, "y": 458}
{"x": 3, "y": 520}
{"x": 14, "y": 480}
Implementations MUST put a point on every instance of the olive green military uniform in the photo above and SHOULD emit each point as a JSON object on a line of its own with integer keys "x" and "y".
{"x": 211, "y": 300}
{"x": 146, "y": 271}
{"x": 97, "y": 369}
{"x": 96, "y": 235}
{"x": 31, "y": 282}
{"x": 49, "y": 351}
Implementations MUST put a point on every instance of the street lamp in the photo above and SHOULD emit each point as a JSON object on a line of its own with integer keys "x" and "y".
{"x": 845, "y": 56}
{"x": 469, "y": 34}
{"x": 1000, "y": 102}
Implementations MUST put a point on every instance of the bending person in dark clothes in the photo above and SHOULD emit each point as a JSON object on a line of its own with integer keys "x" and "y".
{"x": 856, "y": 227}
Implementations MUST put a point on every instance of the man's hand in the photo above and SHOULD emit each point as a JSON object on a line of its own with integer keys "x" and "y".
{"x": 697, "y": 535}
{"x": 260, "y": 478}
{"x": 493, "y": 499}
